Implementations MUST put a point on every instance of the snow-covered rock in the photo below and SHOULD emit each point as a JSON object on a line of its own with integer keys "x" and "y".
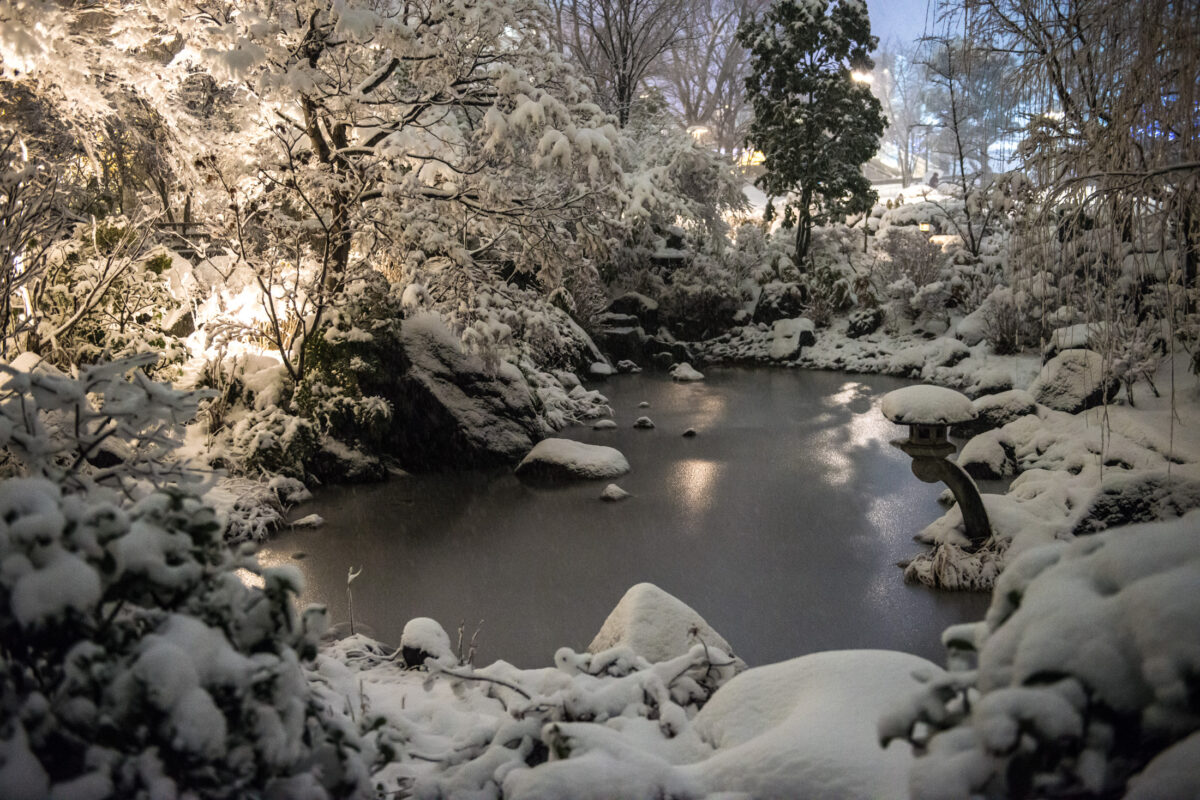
{"x": 565, "y": 458}
{"x": 424, "y": 638}
{"x": 1074, "y": 380}
{"x": 309, "y": 521}
{"x": 1084, "y": 336}
{"x": 931, "y": 405}
{"x": 997, "y": 410}
{"x": 451, "y": 410}
{"x": 604, "y": 425}
{"x": 789, "y": 335}
{"x": 645, "y": 423}
{"x": 655, "y": 625}
{"x": 633, "y": 304}
{"x": 685, "y": 372}
{"x": 780, "y": 301}
{"x": 600, "y": 369}
{"x": 806, "y": 728}
{"x": 612, "y": 492}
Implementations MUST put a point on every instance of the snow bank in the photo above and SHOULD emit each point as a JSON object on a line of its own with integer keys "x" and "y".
{"x": 807, "y": 727}
{"x": 655, "y": 625}
{"x": 565, "y": 458}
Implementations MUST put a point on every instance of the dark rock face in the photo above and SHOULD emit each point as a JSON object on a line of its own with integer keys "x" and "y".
{"x": 780, "y": 301}
{"x": 450, "y": 412}
{"x": 632, "y": 304}
{"x": 621, "y": 344}
{"x": 696, "y": 312}
{"x": 1074, "y": 381}
{"x": 864, "y": 321}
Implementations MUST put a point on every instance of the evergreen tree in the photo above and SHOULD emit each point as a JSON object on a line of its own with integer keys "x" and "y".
{"x": 815, "y": 125}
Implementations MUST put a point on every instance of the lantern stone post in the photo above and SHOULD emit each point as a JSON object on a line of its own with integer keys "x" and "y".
{"x": 929, "y": 411}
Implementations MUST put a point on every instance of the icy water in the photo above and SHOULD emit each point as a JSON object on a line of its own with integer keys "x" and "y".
{"x": 780, "y": 523}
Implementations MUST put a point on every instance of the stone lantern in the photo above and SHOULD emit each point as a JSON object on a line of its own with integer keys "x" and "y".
{"x": 929, "y": 411}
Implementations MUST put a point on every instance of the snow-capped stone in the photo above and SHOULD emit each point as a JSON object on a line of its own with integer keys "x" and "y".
{"x": 685, "y": 372}
{"x": 604, "y": 425}
{"x": 997, "y": 410}
{"x": 637, "y": 305}
{"x": 599, "y": 369}
{"x": 807, "y": 727}
{"x": 1072, "y": 381}
{"x": 613, "y": 492}
{"x": 566, "y": 458}
{"x": 423, "y": 638}
{"x": 309, "y": 521}
{"x": 929, "y": 405}
{"x": 643, "y": 404}
{"x": 643, "y": 422}
{"x": 655, "y": 625}
{"x": 1075, "y": 337}
{"x": 689, "y": 433}
{"x": 626, "y": 366}
{"x": 788, "y": 336}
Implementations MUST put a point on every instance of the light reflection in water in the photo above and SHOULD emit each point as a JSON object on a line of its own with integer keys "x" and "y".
{"x": 695, "y": 479}
{"x": 866, "y": 426}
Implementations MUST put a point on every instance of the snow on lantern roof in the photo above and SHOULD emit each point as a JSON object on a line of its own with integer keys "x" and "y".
{"x": 927, "y": 405}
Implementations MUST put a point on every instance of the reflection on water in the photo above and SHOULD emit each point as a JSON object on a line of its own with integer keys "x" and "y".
{"x": 781, "y": 523}
{"x": 694, "y": 479}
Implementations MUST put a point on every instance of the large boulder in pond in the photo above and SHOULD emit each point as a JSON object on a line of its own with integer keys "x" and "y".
{"x": 566, "y": 459}
{"x": 450, "y": 411}
{"x": 1073, "y": 381}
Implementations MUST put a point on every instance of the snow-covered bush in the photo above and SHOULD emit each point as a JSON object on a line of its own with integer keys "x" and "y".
{"x": 1084, "y": 681}
{"x": 107, "y": 425}
{"x": 134, "y": 660}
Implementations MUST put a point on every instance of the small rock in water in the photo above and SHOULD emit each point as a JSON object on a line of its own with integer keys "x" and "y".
{"x": 613, "y": 493}
{"x": 604, "y": 425}
{"x": 600, "y": 370}
{"x": 300, "y": 555}
{"x": 643, "y": 404}
{"x": 311, "y": 521}
{"x": 625, "y": 365}
{"x": 685, "y": 372}
{"x": 643, "y": 422}
{"x": 690, "y": 432}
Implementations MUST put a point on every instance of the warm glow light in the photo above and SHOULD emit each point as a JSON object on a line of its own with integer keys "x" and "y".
{"x": 751, "y": 158}
{"x": 698, "y": 132}
{"x": 859, "y": 76}
{"x": 925, "y": 227}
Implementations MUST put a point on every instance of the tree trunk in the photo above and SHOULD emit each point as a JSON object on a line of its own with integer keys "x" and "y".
{"x": 803, "y": 229}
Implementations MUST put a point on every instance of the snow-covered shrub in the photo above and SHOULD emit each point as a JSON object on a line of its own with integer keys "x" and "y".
{"x": 104, "y": 296}
{"x": 1084, "y": 681}
{"x": 134, "y": 660}
{"x": 1003, "y": 323}
{"x": 911, "y": 264}
{"x": 107, "y": 425}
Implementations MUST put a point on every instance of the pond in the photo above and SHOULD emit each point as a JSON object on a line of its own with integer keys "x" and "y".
{"x": 781, "y": 523}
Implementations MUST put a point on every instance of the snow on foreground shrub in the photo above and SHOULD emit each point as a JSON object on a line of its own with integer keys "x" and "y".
{"x": 135, "y": 662}
{"x": 609, "y": 724}
{"x": 1086, "y": 676}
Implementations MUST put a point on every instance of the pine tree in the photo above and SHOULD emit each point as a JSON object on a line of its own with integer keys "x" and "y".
{"x": 815, "y": 125}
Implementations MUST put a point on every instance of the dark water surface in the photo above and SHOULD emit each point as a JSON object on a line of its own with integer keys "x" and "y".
{"x": 780, "y": 523}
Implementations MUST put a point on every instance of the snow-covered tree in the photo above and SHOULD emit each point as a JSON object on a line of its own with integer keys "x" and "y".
{"x": 815, "y": 125}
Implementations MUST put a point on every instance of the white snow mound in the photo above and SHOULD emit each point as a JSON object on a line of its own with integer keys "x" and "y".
{"x": 655, "y": 625}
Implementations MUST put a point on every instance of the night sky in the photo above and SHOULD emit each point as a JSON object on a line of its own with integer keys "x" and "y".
{"x": 903, "y": 20}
